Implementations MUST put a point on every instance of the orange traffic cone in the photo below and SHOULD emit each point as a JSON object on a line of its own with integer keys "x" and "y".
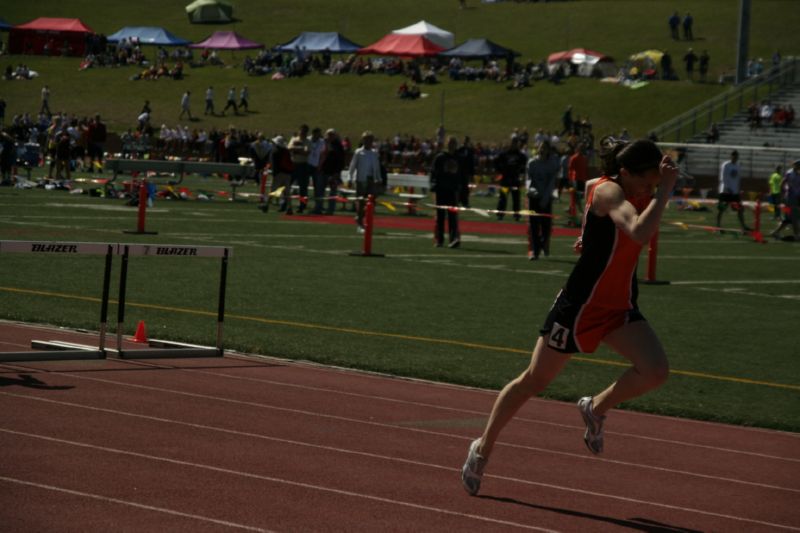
{"x": 141, "y": 333}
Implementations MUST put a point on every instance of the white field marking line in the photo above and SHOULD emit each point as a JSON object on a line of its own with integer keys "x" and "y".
{"x": 130, "y": 504}
{"x": 363, "y": 454}
{"x": 309, "y": 365}
{"x": 743, "y": 292}
{"x": 280, "y": 480}
{"x": 425, "y": 432}
{"x": 731, "y": 257}
{"x": 101, "y": 207}
{"x": 739, "y": 282}
{"x": 474, "y": 412}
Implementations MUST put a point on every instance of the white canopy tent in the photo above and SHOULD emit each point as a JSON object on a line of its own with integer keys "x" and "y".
{"x": 429, "y": 31}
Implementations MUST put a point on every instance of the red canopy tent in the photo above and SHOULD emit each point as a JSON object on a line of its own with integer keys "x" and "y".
{"x": 396, "y": 44}
{"x": 56, "y": 36}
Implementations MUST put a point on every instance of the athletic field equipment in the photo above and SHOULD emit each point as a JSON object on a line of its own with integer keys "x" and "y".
{"x": 472, "y": 471}
{"x": 157, "y": 348}
{"x": 593, "y": 436}
{"x": 369, "y": 223}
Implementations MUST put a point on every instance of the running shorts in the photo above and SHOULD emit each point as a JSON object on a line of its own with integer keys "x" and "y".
{"x": 580, "y": 328}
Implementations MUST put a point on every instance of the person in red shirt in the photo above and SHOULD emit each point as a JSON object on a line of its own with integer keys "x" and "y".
{"x": 578, "y": 171}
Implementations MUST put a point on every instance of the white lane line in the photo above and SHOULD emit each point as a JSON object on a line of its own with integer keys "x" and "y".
{"x": 743, "y": 292}
{"x": 250, "y": 475}
{"x": 474, "y": 412}
{"x": 131, "y": 504}
{"x": 738, "y": 282}
{"x": 407, "y": 429}
{"x": 377, "y": 498}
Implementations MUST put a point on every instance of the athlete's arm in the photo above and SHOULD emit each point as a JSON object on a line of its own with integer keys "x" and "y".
{"x": 609, "y": 199}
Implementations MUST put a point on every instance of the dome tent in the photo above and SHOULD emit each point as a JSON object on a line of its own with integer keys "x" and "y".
{"x": 209, "y": 11}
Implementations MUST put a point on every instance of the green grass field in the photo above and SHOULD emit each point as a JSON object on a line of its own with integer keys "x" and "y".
{"x": 486, "y": 111}
{"x": 467, "y": 316}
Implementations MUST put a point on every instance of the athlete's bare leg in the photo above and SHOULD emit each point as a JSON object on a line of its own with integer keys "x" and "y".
{"x": 546, "y": 364}
{"x": 637, "y": 342}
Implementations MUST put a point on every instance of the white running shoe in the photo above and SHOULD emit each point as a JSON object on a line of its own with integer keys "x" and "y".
{"x": 593, "y": 437}
{"x": 472, "y": 470}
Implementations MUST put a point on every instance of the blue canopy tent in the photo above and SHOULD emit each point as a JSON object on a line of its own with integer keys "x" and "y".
{"x": 479, "y": 49}
{"x": 315, "y": 42}
{"x": 5, "y": 26}
{"x": 148, "y": 35}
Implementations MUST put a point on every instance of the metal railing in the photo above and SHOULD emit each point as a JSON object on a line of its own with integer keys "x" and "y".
{"x": 754, "y": 161}
{"x": 699, "y": 119}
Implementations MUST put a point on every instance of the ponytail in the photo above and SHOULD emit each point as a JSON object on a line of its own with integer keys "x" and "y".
{"x": 636, "y": 157}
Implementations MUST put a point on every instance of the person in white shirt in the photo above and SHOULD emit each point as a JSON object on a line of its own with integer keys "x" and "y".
{"x": 730, "y": 179}
{"x": 315, "y": 149}
{"x": 185, "y": 105}
{"x": 365, "y": 170}
{"x": 231, "y": 102}
{"x": 209, "y": 101}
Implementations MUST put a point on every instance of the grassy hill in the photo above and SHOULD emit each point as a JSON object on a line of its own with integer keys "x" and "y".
{"x": 485, "y": 110}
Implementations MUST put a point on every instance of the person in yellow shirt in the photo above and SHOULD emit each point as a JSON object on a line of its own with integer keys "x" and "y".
{"x": 775, "y": 191}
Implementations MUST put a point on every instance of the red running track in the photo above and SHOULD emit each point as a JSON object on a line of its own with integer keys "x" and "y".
{"x": 260, "y": 444}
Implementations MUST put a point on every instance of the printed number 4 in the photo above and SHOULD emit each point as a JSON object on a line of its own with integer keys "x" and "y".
{"x": 558, "y": 336}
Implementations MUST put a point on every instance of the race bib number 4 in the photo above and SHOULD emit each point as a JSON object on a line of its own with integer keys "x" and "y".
{"x": 558, "y": 336}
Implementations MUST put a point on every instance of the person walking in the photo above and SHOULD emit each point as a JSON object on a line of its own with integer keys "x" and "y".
{"x": 231, "y": 102}
{"x": 599, "y": 300}
{"x": 775, "y": 182}
{"x": 730, "y": 179}
{"x": 209, "y": 101}
{"x": 445, "y": 183}
{"x": 45, "y": 108}
{"x": 542, "y": 173}
{"x": 186, "y": 105}
{"x": 244, "y": 99}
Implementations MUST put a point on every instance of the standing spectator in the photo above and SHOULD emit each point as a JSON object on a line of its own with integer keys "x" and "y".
{"x": 704, "y": 59}
{"x": 466, "y": 160}
{"x": 63, "y": 155}
{"x": 316, "y": 146}
{"x": 542, "y": 172}
{"x": 674, "y": 22}
{"x": 510, "y": 164}
{"x": 666, "y": 66}
{"x": 566, "y": 121}
{"x": 579, "y": 173}
{"x": 730, "y": 178}
{"x": 97, "y": 139}
{"x": 690, "y": 59}
{"x": 231, "y": 102}
{"x": 688, "y": 21}
{"x": 244, "y": 99}
{"x": 260, "y": 150}
{"x": 2, "y": 113}
{"x": 186, "y": 105}
{"x": 712, "y": 135}
{"x": 790, "y": 189}
{"x": 445, "y": 183}
{"x": 775, "y": 181}
{"x": 45, "y": 101}
{"x": 281, "y": 164}
{"x": 330, "y": 167}
{"x": 7, "y": 157}
{"x": 365, "y": 170}
{"x": 300, "y": 147}
{"x": 209, "y": 101}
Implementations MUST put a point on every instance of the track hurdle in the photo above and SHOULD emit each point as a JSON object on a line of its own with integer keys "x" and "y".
{"x": 163, "y": 348}
{"x": 57, "y": 350}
